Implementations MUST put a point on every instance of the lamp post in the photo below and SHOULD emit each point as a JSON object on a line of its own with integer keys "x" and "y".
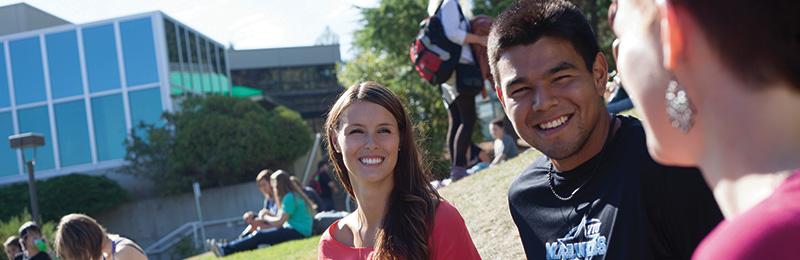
{"x": 21, "y": 142}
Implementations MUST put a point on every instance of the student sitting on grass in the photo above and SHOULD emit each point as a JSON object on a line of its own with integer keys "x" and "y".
{"x": 484, "y": 161}
{"x": 293, "y": 221}
{"x": 505, "y": 147}
{"x": 254, "y": 221}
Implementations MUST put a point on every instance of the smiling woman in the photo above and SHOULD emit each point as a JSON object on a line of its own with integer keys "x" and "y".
{"x": 399, "y": 214}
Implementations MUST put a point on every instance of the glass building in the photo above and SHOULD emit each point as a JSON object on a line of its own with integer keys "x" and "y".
{"x": 300, "y": 78}
{"x": 84, "y": 87}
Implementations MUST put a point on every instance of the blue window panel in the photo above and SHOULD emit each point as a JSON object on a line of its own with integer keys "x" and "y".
{"x": 100, "y": 50}
{"x": 5, "y": 100}
{"x": 26, "y": 67}
{"x": 226, "y": 86}
{"x": 64, "y": 64}
{"x": 37, "y": 120}
{"x": 8, "y": 156}
{"x": 145, "y": 106}
{"x": 198, "y": 81}
{"x": 73, "y": 134}
{"x": 109, "y": 127}
{"x": 139, "y": 52}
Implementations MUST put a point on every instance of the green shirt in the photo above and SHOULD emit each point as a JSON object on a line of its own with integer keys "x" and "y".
{"x": 299, "y": 217}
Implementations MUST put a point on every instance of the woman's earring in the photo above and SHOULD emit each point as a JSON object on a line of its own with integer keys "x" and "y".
{"x": 679, "y": 107}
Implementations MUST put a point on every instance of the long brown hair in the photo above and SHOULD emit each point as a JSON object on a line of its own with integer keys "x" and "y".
{"x": 412, "y": 202}
{"x": 79, "y": 237}
{"x": 284, "y": 185}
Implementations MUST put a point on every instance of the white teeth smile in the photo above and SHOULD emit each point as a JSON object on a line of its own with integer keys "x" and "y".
{"x": 552, "y": 124}
{"x": 371, "y": 161}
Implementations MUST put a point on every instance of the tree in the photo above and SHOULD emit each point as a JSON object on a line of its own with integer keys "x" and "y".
{"x": 216, "y": 141}
{"x": 382, "y": 46}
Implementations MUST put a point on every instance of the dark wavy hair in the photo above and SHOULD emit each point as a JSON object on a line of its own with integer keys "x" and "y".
{"x": 412, "y": 202}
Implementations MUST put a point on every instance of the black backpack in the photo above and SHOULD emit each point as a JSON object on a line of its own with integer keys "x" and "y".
{"x": 434, "y": 56}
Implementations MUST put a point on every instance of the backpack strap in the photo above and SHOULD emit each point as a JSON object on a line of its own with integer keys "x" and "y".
{"x": 437, "y": 8}
{"x": 460, "y": 12}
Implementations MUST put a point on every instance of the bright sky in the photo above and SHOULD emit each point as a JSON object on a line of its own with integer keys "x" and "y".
{"x": 247, "y": 24}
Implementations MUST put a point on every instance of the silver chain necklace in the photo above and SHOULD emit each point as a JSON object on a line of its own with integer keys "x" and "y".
{"x": 552, "y": 185}
{"x": 551, "y": 182}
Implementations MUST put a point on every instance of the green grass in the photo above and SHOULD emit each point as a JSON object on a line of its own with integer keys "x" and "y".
{"x": 481, "y": 199}
{"x": 298, "y": 249}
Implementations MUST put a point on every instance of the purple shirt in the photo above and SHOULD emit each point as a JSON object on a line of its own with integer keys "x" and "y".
{"x": 770, "y": 230}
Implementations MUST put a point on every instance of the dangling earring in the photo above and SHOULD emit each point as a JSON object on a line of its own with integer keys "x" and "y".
{"x": 679, "y": 107}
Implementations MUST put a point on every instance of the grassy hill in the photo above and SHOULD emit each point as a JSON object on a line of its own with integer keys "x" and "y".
{"x": 481, "y": 199}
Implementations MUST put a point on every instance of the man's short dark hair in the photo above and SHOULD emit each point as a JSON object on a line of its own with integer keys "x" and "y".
{"x": 499, "y": 122}
{"x": 527, "y": 21}
{"x": 322, "y": 163}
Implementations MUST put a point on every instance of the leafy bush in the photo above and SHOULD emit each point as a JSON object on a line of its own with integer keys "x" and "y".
{"x": 59, "y": 196}
{"x": 217, "y": 141}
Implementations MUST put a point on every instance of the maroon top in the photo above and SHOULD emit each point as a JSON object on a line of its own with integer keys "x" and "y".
{"x": 770, "y": 230}
{"x": 449, "y": 239}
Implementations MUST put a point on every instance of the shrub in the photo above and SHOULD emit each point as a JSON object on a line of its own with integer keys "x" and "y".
{"x": 59, "y": 196}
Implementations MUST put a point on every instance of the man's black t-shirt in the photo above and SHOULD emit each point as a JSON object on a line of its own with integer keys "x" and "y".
{"x": 40, "y": 256}
{"x": 629, "y": 208}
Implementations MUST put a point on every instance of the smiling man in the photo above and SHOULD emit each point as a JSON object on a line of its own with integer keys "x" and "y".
{"x": 596, "y": 193}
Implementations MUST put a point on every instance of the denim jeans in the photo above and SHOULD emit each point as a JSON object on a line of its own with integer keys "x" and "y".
{"x": 261, "y": 237}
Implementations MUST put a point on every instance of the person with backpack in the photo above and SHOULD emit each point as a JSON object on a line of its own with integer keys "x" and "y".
{"x": 463, "y": 84}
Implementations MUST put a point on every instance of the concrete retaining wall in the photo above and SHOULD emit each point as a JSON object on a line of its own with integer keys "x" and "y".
{"x": 147, "y": 221}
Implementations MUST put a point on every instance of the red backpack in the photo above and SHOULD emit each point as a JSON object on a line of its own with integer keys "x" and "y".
{"x": 434, "y": 56}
